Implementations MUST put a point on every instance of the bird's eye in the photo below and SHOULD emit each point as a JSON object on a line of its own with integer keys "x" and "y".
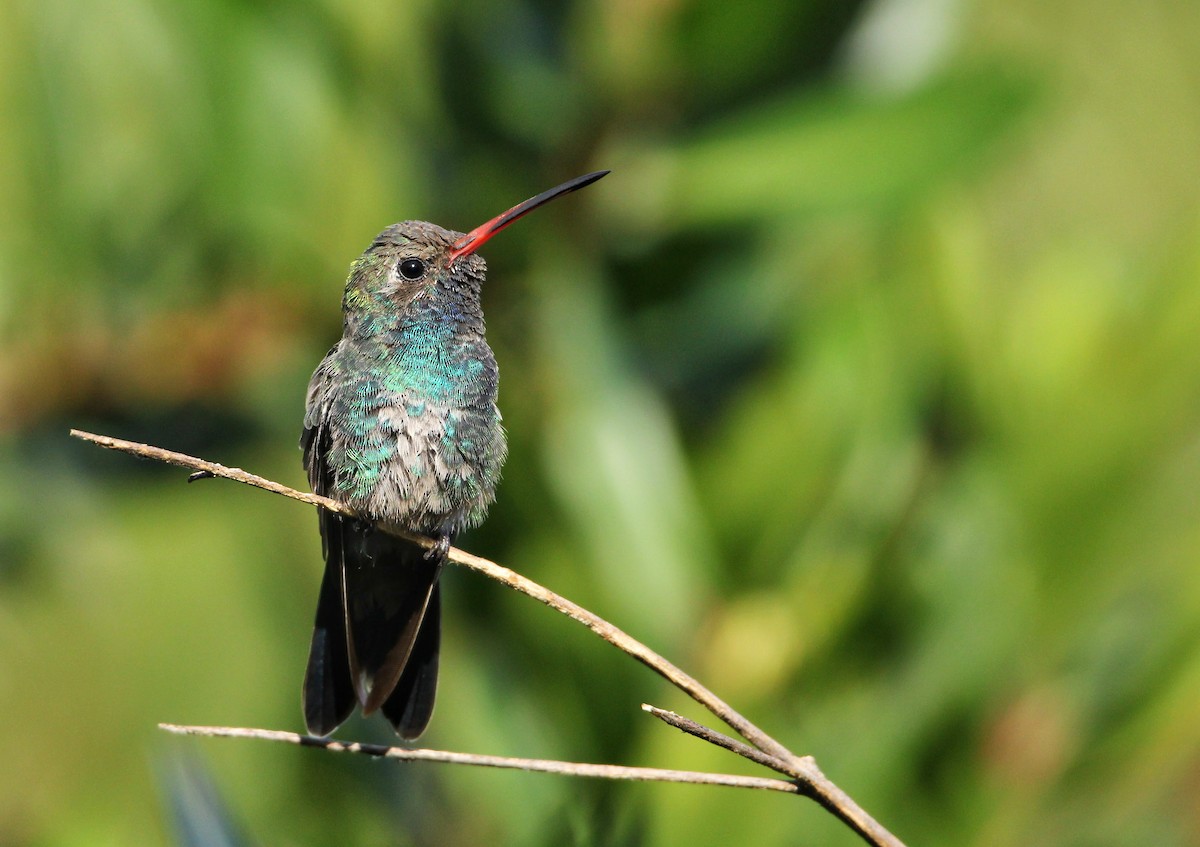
{"x": 412, "y": 269}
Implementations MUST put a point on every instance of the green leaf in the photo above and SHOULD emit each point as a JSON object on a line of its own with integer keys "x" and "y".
{"x": 842, "y": 150}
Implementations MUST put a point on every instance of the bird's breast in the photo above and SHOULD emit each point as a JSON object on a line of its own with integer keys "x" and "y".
{"x": 422, "y": 445}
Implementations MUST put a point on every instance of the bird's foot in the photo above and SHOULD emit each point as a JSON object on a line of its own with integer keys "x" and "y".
{"x": 440, "y": 550}
{"x": 365, "y": 527}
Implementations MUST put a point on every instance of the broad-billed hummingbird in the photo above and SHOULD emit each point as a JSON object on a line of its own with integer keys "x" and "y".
{"x": 401, "y": 424}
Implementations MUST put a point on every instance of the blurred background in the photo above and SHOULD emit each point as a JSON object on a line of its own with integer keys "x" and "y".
{"x": 866, "y": 388}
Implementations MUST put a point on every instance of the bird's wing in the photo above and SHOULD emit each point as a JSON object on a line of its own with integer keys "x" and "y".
{"x": 329, "y": 687}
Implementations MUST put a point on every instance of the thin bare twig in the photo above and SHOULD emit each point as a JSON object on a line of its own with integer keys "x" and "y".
{"x": 411, "y": 754}
{"x": 719, "y": 739}
{"x": 809, "y": 780}
{"x": 183, "y": 460}
{"x": 512, "y": 579}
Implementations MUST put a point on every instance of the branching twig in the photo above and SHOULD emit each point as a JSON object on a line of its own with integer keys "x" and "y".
{"x": 713, "y": 737}
{"x": 497, "y": 572}
{"x": 808, "y": 779}
{"x": 416, "y": 754}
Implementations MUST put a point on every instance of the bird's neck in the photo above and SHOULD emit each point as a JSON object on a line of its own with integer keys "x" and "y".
{"x": 435, "y": 349}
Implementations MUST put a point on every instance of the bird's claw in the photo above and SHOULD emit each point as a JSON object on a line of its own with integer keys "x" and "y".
{"x": 439, "y": 550}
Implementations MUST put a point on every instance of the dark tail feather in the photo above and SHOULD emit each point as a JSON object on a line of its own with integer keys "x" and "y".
{"x": 328, "y": 683}
{"x": 381, "y": 595}
{"x": 411, "y": 703}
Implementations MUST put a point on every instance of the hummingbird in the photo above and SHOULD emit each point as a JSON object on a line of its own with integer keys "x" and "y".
{"x": 401, "y": 424}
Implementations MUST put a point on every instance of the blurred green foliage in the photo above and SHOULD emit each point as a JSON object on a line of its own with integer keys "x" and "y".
{"x": 867, "y": 388}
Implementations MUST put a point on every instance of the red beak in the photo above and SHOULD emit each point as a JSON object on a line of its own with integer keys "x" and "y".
{"x": 475, "y": 239}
